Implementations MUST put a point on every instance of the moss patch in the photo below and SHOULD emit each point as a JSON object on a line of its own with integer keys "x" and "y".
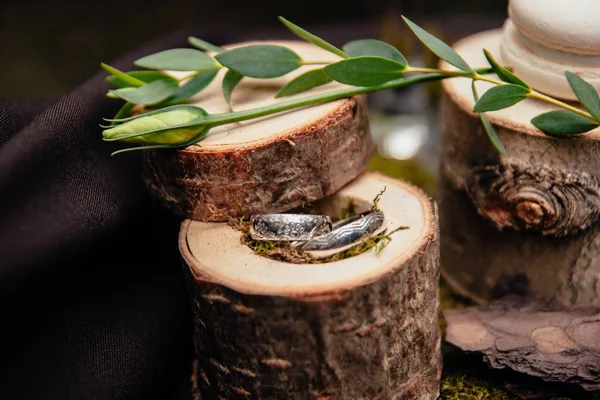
{"x": 465, "y": 388}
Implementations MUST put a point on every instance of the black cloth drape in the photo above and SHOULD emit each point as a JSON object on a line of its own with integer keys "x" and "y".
{"x": 92, "y": 298}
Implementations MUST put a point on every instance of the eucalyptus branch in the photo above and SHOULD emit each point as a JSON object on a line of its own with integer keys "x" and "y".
{"x": 367, "y": 65}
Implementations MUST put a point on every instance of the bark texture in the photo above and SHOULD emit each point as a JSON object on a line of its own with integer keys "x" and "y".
{"x": 268, "y": 176}
{"x": 526, "y": 222}
{"x": 532, "y": 336}
{"x": 376, "y": 340}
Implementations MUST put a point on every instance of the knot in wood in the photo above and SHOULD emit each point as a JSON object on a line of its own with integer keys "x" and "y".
{"x": 548, "y": 201}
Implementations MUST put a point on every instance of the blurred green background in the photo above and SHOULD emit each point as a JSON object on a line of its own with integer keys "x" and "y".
{"x": 49, "y": 47}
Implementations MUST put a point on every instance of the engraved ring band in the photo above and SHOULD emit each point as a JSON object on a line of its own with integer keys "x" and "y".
{"x": 345, "y": 232}
{"x": 315, "y": 232}
{"x": 288, "y": 226}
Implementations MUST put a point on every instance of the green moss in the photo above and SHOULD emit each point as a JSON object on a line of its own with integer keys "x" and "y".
{"x": 466, "y": 388}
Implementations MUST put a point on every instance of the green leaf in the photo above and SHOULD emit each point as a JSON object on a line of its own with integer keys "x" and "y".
{"x": 365, "y": 71}
{"x": 501, "y": 96}
{"x": 230, "y": 81}
{"x": 203, "y": 45}
{"x": 150, "y": 93}
{"x": 131, "y": 81}
{"x": 144, "y": 76}
{"x": 304, "y": 82}
{"x": 372, "y": 47}
{"x": 563, "y": 122}
{"x": 194, "y": 85}
{"x": 260, "y": 60}
{"x": 586, "y": 93}
{"x": 178, "y": 60}
{"x": 503, "y": 73}
{"x": 309, "y": 37}
{"x": 439, "y": 48}
{"x": 489, "y": 128}
{"x": 111, "y": 95}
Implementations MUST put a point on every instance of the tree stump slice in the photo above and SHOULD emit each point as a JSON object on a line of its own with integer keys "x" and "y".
{"x": 364, "y": 327}
{"x": 532, "y": 336}
{"x": 524, "y": 223}
{"x": 270, "y": 164}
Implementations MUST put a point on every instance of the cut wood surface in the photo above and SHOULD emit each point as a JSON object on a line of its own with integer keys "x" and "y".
{"x": 532, "y": 336}
{"x": 526, "y": 222}
{"x": 364, "y": 327}
{"x": 271, "y": 164}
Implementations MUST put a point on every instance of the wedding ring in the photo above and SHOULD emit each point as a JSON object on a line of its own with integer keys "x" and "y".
{"x": 345, "y": 232}
{"x": 288, "y": 226}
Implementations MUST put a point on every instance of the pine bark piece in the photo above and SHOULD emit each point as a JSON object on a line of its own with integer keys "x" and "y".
{"x": 362, "y": 328}
{"x": 271, "y": 164}
{"x": 524, "y": 223}
{"x": 533, "y": 336}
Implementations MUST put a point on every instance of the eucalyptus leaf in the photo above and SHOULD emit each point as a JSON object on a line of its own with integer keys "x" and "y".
{"x": 563, "y": 122}
{"x": 204, "y": 45}
{"x": 488, "y": 127}
{"x": 372, "y": 47}
{"x": 365, "y": 71}
{"x": 144, "y": 76}
{"x": 260, "y": 60}
{"x": 131, "y": 81}
{"x": 193, "y": 85}
{"x": 439, "y": 48}
{"x": 178, "y": 60}
{"x": 150, "y": 93}
{"x": 309, "y": 37}
{"x": 111, "y": 95}
{"x": 230, "y": 81}
{"x": 586, "y": 94}
{"x": 304, "y": 82}
{"x": 501, "y": 96}
{"x": 503, "y": 73}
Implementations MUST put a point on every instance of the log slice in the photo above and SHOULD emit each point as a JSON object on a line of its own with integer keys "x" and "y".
{"x": 270, "y": 164}
{"x": 523, "y": 223}
{"x": 365, "y": 327}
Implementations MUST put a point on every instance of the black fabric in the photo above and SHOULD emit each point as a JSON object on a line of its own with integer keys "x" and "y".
{"x": 92, "y": 298}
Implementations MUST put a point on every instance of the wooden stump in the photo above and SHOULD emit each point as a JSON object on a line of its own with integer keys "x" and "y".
{"x": 522, "y": 223}
{"x": 534, "y": 337}
{"x": 271, "y": 164}
{"x": 365, "y": 327}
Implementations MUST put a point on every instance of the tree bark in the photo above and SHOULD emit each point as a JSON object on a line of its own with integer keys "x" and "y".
{"x": 362, "y": 328}
{"x": 532, "y": 336}
{"x": 526, "y": 222}
{"x": 271, "y": 164}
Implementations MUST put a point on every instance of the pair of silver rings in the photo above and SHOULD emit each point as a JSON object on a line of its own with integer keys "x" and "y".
{"x": 315, "y": 232}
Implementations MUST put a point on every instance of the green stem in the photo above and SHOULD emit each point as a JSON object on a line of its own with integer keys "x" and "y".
{"x": 478, "y": 77}
{"x": 316, "y": 62}
{"x": 548, "y": 99}
{"x": 227, "y": 118}
{"x": 449, "y": 73}
{"x": 537, "y": 95}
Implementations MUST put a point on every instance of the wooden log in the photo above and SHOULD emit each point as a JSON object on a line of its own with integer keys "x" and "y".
{"x": 532, "y": 336}
{"x": 526, "y": 222}
{"x": 271, "y": 164}
{"x": 364, "y": 327}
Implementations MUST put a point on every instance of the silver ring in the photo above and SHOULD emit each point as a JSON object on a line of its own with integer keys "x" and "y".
{"x": 288, "y": 226}
{"x": 345, "y": 232}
